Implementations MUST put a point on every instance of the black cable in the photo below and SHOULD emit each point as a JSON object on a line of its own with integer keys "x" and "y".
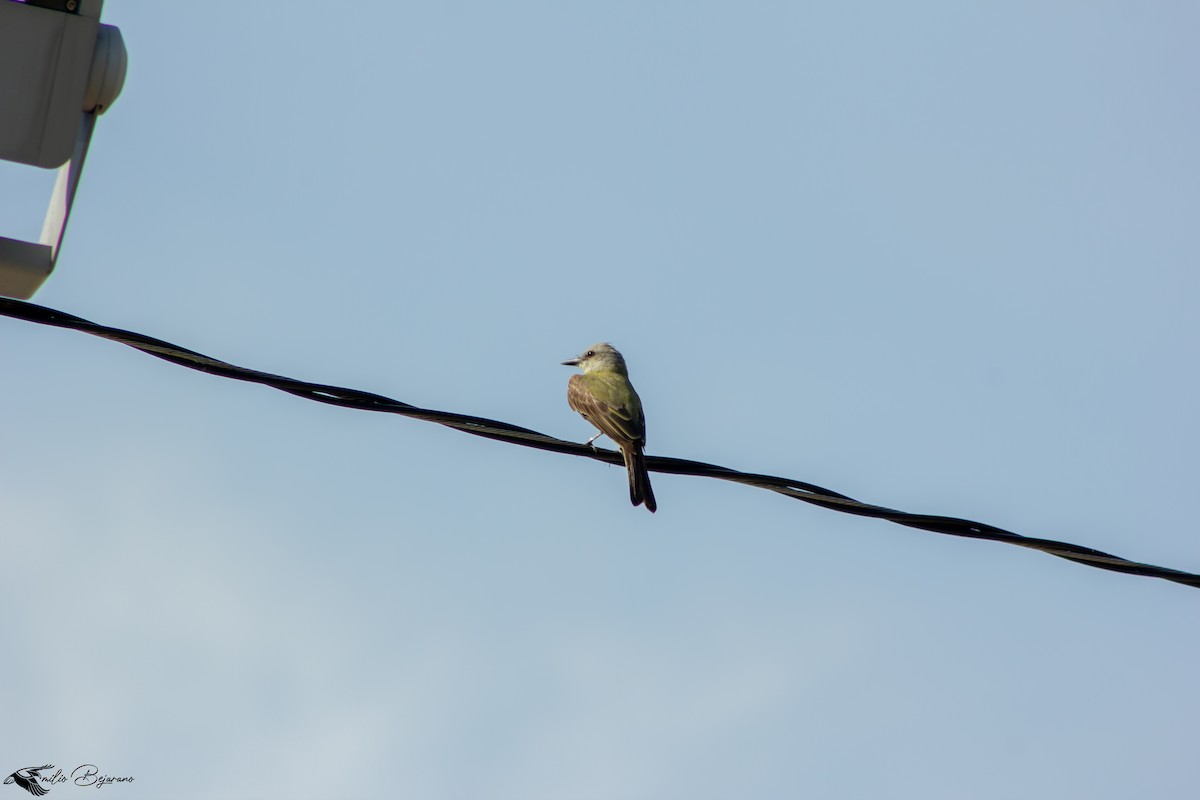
{"x": 502, "y": 431}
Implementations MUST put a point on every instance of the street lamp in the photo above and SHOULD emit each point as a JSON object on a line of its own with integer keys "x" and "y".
{"x": 59, "y": 69}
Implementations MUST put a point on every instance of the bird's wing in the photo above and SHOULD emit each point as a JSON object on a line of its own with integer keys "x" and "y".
{"x": 30, "y": 783}
{"x": 616, "y": 420}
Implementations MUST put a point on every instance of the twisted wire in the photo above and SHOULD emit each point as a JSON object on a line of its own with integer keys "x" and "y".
{"x": 503, "y": 431}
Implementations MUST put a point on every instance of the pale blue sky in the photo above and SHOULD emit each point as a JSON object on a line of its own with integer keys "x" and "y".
{"x": 937, "y": 257}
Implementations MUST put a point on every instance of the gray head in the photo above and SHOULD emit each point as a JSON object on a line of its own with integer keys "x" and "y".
{"x": 602, "y": 357}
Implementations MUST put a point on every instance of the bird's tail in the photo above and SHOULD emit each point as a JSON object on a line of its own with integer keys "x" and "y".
{"x": 639, "y": 479}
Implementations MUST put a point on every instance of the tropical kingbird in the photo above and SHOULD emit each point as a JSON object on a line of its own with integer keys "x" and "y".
{"x": 606, "y": 398}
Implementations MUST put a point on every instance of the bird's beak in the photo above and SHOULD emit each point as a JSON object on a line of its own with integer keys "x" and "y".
{"x": 574, "y": 362}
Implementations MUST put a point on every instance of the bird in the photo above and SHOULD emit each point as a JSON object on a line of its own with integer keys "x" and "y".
{"x": 27, "y": 779}
{"x": 604, "y": 397}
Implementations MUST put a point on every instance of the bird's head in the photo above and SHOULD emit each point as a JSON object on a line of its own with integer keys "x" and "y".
{"x": 601, "y": 357}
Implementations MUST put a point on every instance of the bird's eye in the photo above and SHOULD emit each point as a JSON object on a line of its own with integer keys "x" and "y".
{"x": 589, "y": 354}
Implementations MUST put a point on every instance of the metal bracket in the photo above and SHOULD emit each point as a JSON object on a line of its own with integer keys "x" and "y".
{"x": 24, "y": 266}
